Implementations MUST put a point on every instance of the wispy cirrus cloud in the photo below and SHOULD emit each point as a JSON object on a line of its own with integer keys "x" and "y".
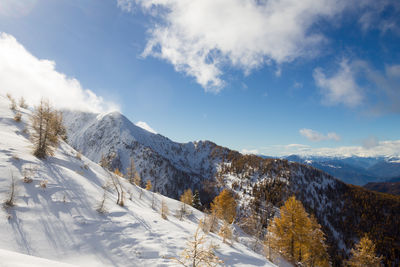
{"x": 317, "y": 136}
{"x": 23, "y": 74}
{"x": 341, "y": 87}
{"x": 345, "y": 86}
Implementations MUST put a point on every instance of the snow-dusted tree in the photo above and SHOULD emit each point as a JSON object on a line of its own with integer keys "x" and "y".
{"x": 115, "y": 180}
{"x": 225, "y": 232}
{"x": 45, "y": 125}
{"x": 132, "y": 174}
{"x": 196, "y": 200}
{"x": 364, "y": 254}
{"x": 186, "y": 199}
{"x": 252, "y": 224}
{"x": 13, "y": 104}
{"x": 102, "y": 208}
{"x": 198, "y": 253}
{"x": 209, "y": 223}
{"x": 59, "y": 127}
{"x": 22, "y": 102}
{"x": 164, "y": 209}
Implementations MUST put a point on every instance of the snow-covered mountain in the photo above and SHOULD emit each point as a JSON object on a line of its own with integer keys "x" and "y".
{"x": 171, "y": 167}
{"x": 344, "y": 211}
{"x": 54, "y": 214}
{"x": 354, "y": 170}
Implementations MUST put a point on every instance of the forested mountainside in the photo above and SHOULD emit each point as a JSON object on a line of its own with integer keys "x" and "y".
{"x": 346, "y": 212}
{"x": 385, "y": 187}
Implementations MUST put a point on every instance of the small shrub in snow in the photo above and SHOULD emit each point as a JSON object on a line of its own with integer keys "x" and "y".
{"x": 149, "y": 186}
{"x": 10, "y": 202}
{"x": 209, "y": 223}
{"x": 43, "y": 184}
{"x": 101, "y": 208}
{"x": 13, "y": 104}
{"x": 164, "y": 210}
{"x": 78, "y": 155}
{"x": 197, "y": 253}
{"x": 15, "y": 157}
{"x": 27, "y": 180}
{"x": 226, "y": 232}
{"x": 28, "y": 173}
{"x": 22, "y": 103}
{"x": 18, "y": 116}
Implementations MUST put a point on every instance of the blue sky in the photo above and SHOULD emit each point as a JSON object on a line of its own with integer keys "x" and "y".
{"x": 272, "y": 77}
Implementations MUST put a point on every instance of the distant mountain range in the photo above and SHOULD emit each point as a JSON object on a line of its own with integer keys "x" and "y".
{"x": 354, "y": 170}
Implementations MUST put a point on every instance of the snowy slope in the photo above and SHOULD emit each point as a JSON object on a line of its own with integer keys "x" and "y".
{"x": 60, "y": 222}
{"x": 13, "y": 259}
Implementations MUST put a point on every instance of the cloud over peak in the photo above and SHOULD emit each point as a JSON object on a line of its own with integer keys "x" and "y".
{"x": 22, "y": 74}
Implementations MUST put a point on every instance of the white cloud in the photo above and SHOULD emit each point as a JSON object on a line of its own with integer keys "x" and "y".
{"x": 382, "y": 95}
{"x": 249, "y": 151}
{"x": 201, "y": 37}
{"x": 125, "y": 5}
{"x": 145, "y": 126}
{"x": 341, "y": 87}
{"x": 317, "y": 137}
{"x": 370, "y": 142}
{"x": 375, "y": 15}
{"x": 382, "y": 148}
{"x": 22, "y": 74}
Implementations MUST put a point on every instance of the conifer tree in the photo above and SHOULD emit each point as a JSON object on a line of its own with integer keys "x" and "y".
{"x": 297, "y": 236}
{"x": 45, "y": 125}
{"x": 364, "y": 254}
{"x": 224, "y": 206}
{"x": 164, "y": 210}
{"x": 196, "y": 200}
{"x": 133, "y": 175}
{"x": 118, "y": 172}
{"x": 187, "y": 197}
{"x": 317, "y": 254}
{"x": 149, "y": 186}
